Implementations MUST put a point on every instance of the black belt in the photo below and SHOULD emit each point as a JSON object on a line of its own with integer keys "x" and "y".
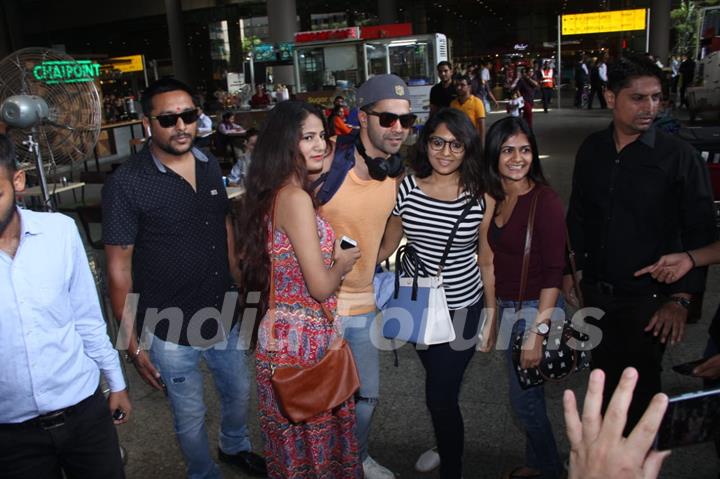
{"x": 53, "y": 419}
{"x": 609, "y": 289}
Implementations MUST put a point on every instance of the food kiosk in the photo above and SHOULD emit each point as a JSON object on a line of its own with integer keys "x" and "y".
{"x": 342, "y": 59}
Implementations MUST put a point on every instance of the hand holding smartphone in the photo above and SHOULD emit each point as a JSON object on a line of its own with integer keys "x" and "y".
{"x": 688, "y": 368}
{"x": 347, "y": 242}
{"x": 345, "y": 259}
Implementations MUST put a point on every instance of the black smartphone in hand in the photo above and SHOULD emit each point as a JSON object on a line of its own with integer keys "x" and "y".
{"x": 347, "y": 243}
{"x": 690, "y": 419}
{"x": 687, "y": 368}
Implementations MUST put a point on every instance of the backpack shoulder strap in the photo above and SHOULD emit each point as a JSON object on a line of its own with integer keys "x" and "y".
{"x": 330, "y": 181}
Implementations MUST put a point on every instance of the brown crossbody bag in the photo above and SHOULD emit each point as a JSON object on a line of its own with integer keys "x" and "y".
{"x": 306, "y": 392}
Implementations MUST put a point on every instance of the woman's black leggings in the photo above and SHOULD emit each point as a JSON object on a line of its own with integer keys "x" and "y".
{"x": 445, "y": 366}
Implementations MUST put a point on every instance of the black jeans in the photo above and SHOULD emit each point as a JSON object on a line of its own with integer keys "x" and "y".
{"x": 578, "y": 95}
{"x": 546, "y": 97}
{"x": 445, "y": 365}
{"x": 85, "y": 447}
{"x": 597, "y": 90}
{"x": 625, "y": 343}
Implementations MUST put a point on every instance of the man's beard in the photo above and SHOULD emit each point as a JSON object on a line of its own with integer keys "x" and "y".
{"x": 378, "y": 142}
{"x": 168, "y": 148}
{"x": 7, "y": 216}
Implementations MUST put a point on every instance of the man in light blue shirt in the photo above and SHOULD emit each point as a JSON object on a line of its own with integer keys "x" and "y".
{"x": 53, "y": 416}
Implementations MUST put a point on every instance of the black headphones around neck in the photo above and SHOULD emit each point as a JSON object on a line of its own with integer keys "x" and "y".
{"x": 380, "y": 168}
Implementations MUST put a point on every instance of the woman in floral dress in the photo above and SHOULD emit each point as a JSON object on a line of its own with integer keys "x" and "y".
{"x": 279, "y": 228}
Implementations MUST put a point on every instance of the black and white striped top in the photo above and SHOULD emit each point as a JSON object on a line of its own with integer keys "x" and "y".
{"x": 427, "y": 223}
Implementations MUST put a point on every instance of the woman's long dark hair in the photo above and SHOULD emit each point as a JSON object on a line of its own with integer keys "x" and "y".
{"x": 498, "y": 134}
{"x": 471, "y": 178}
{"x": 276, "y": 159}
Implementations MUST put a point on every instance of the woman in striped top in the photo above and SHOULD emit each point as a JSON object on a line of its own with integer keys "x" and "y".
{"x": 429, "y": 203}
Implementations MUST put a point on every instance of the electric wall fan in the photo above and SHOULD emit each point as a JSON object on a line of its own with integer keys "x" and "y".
{"x": 51, "y": 106}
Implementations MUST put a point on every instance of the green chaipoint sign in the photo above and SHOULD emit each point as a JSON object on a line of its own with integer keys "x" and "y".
{"x": 66, "y": 71}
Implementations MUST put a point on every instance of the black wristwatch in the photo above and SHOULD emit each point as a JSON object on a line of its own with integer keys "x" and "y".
{"x": 684, "y": 302}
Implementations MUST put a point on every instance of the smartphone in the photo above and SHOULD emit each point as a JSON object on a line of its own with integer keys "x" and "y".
{"x": 119, "y": 414}
{"x": 687, "y": 368}
{"x": 690, "y": 419}
{"x": 347, "y": 243}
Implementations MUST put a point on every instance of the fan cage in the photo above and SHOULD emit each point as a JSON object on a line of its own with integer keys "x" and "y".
{"x": 73, "y": 125}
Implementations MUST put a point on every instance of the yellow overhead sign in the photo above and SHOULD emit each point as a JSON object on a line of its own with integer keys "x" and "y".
{"x": 603, "y": 22}
{"x": 132, "y": 63}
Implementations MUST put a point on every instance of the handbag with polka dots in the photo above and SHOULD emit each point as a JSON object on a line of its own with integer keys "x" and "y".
{"x": 565, "y": 350}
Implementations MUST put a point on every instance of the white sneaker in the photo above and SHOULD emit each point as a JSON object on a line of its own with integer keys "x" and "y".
{"x": 428, "y": 461}
{"x": 373, "y": 470}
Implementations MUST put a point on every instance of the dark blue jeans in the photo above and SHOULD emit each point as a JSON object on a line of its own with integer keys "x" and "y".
{"x": 541, "y": 451}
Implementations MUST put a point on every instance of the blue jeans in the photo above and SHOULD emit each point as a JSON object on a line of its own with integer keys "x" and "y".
{"x": 179, "y": 368}
{"x": 486, "y": 104}
{"x": 357, "y": 331}
{"x": 541, "y": 451}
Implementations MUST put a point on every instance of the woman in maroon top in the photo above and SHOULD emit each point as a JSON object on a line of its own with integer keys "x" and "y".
{"x": 514, "y": 178}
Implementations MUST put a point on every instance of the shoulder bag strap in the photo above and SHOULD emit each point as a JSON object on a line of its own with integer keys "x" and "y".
{"x": 271, "y": 293}
{"x": 460, "y": 219}
{"x": 573, "y": 269}
{"x": 528, "y": 246}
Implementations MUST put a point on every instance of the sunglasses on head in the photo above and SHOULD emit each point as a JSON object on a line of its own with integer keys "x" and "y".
{"x": 169, "y": 120}
{"x": 388, "y": 119}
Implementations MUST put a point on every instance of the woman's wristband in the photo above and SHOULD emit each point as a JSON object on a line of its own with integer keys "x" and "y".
{"x": 691, "y": 258}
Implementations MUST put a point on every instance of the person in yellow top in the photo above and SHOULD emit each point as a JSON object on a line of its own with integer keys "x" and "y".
{"x": 469, "y": 104}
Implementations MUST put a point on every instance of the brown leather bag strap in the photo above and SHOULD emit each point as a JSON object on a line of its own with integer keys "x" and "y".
{"x": 271, "y": 293}
{"x": 528, "y": 246}
{"x": 573, "y": 269}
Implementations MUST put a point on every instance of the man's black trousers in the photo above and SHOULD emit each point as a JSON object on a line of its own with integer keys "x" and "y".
{"x": 625, "y": 343}
{"x": 84, "y": 447}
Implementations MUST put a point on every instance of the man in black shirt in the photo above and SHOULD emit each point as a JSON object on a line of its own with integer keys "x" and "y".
{"x": 444, "y": 92}
{"x": 637, "y": 194}
{"x": 687, "y": 74}
{"x": 166, "y": 239}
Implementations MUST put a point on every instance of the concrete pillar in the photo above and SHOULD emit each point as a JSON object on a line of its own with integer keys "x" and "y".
{"x": 387, "y": 11}
{"x": 10, "y": 28}
{"x": 660, "y": 29}
{"x": 178, "y": 51}
{"x": 304, "y": 11}
{"x": 237, "y": 59}
{"x": 419, "y": 18}
{"x": 282, "y": 22}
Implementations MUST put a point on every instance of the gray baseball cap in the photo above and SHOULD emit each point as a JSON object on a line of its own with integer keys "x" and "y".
{"x": 382, "y": 87}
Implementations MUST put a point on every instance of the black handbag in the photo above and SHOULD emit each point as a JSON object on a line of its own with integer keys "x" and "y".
{"x": 559, "y": 358}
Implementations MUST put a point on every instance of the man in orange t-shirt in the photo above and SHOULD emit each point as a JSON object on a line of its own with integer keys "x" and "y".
{"x": 360, "y": 209}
